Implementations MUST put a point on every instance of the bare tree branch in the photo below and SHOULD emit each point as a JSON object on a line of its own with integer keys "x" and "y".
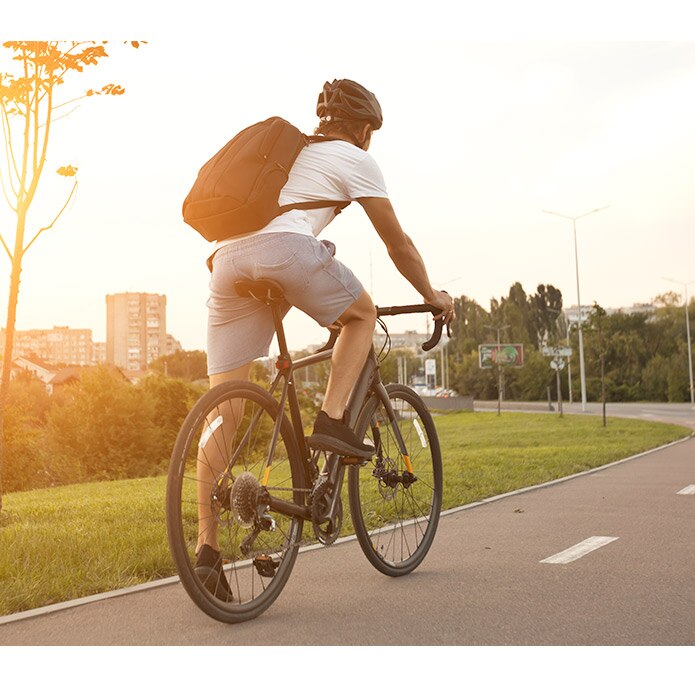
{"x": 74, "y": 99}
{"x": 36, "y": 174}
{"x": 35, "y": 110}
{"x": 22, "y": 198}
{"x": 7, "y": 197}
{"x": 7, "y": 250}
{"x": 45, "y": 228}
{"x": 62, "y": 116}
{"x": 9, "y": 151}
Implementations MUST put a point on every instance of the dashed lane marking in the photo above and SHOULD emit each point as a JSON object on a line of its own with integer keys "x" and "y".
{"x": 687, "y": 491}
{"x": 578, "y": 550}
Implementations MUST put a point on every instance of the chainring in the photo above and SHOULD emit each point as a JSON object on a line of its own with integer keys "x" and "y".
{"x": 326, "y": 530}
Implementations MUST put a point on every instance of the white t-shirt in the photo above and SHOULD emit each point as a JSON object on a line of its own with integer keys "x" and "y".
{"x": 331, "y": 170}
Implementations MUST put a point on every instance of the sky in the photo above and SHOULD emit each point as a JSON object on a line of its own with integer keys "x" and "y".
{"x": 486, "y": 125}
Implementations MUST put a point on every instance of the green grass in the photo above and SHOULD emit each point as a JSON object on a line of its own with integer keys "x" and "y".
{"x": 72, "y": 541}
{"x": 485, "y": 454}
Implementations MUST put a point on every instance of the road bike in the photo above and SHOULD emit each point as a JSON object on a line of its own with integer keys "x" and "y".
{"x": 241, "y": 464}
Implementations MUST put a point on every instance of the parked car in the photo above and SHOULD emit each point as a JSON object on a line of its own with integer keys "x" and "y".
{"x": 446, "y": 393}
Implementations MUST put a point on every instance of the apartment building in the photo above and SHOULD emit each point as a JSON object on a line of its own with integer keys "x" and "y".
{"x": 135, "y": 329}
{"x": 60, "y": 346}
{"x": 98, "y": 353}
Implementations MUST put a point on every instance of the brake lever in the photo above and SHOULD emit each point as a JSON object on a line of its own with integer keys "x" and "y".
{"x": 331, "y": 341}
{"x": 436, "y": 334}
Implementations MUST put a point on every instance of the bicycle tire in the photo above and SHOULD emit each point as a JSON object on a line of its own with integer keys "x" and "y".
{"x": 204, "y": 438}
{"x": 395, "y": 524}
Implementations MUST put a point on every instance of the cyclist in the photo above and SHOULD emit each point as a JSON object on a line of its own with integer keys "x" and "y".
{"x": 287, "y": 251}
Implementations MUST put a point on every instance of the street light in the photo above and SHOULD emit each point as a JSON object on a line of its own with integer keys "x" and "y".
{"x": 687, "y": 330}
{"x": 573, "y": 219}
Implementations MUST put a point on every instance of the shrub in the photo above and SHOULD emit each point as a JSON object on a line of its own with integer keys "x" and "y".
{"x": 103, "y": 428}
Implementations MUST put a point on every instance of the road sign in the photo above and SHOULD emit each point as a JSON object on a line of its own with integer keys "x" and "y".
{"x": 557, "y": 364}
{"x": 430, "y": 373}
{"x": 557, "y": 352}
{"x": 500, "y": 355}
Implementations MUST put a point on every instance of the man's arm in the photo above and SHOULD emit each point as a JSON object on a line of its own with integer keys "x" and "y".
{"x": 403, "y": 252}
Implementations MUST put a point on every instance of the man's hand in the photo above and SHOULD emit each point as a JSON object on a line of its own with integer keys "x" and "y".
{"x": 444, "y": 302}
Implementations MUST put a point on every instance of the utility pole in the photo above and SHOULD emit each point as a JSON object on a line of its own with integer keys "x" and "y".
{"x": 569, "y": 365}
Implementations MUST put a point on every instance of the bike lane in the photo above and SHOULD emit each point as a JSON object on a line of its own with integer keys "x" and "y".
{"x": 497, "y": 573}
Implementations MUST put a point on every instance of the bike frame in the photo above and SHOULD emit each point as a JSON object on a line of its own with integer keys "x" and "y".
{"x": 368, "y": 383}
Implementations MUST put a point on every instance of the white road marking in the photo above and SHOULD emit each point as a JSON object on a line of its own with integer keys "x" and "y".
{"x": 579, "y": 550}
{"x": 688, "y": 490}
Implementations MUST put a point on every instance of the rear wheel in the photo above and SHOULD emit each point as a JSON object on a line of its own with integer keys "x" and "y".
{"x": 227, "y": 436}
{"x": 395, "y": 509}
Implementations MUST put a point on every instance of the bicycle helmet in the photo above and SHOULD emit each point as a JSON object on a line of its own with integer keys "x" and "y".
{"x": 346, "y": 99}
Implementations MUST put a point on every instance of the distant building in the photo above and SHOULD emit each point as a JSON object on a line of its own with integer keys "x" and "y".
{"x": 42, "y": 370}
{"x": 172, "y": 345}
{"x": 410, "y": 340}
{"x": 60, "y": 345}
{"x": 98, "y": 353}
{"x": 135, "y": 329}
{"x": 572, "y": 312}
{"x": 648, "y": 309}
{"x": 64, "y": 377}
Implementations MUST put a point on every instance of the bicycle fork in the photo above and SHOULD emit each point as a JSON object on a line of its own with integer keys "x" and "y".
{"x": 383, "y": 397}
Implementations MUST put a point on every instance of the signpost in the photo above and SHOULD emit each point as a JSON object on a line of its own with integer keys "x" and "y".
{"x": 505, "y": 355}
{"x": 558, "y": 364}
{"x": 430, "y": 373}
{"x": 499, "y": 355}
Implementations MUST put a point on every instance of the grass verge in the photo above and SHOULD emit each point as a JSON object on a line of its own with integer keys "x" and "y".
{"x": 68, "y": 542}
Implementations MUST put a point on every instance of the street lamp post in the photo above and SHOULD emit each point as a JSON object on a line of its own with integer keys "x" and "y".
{"x": 687, "y": 331}
{"x": 573, "y": 219}
{"x": 569, "y": 364}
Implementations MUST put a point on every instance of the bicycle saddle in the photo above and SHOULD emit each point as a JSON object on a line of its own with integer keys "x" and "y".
{"x": 266, "y": 291}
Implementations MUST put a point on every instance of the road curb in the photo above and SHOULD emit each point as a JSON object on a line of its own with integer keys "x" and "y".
{"x": 68, "y": 604}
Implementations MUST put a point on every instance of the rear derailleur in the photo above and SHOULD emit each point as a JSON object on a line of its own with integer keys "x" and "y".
{"x": 249, "y": 503}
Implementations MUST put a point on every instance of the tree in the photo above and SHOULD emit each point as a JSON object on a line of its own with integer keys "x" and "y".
{"x": 31, "y": 100}
{"x": 105, "y": 428}
{"x": 188, "y": 365}
{"x": 548, "y": 321}
{"x": 388, "y": 367}
{"x": 597, "y": 327}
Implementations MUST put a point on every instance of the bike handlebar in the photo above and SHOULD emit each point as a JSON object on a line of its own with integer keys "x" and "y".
{"x": 397, "y": 311}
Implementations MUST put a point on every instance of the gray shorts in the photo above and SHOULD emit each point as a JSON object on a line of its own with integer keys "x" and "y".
{"x": 240, "y": 329}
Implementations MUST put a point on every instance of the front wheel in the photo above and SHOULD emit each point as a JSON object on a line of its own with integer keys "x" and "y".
{"x": 396, "y": 498}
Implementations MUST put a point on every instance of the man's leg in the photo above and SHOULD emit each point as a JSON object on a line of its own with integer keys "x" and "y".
{"x": 349, "y": 354}
{"x": 212, "y": 460}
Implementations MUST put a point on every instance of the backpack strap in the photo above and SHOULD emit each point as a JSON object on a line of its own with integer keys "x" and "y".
{"x": 321, "y": 204}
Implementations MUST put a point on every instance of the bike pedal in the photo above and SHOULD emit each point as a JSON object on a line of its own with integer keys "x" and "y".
{"x": 354, "y": 461}
{"x": 265, "y": 566}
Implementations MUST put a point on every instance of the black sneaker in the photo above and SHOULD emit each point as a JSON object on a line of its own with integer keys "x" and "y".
{"x": 208, "y": 568}
{"x": 333, "y": 435}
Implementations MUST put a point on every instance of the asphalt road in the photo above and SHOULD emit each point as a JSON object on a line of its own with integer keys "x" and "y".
{"x": 485, "y": 581}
